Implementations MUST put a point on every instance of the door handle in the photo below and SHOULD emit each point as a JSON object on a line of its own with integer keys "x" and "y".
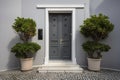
{"x": 61, "y": 40}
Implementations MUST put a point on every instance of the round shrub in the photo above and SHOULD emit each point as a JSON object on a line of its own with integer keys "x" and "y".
{"x": 25, "y": 27}
{"x": 97, "y": 27}
{"x": 94, "y": 49}
{"x": 25, "y": 50}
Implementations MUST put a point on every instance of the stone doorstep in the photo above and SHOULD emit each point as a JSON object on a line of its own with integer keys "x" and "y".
{"x": 60, "y": 68}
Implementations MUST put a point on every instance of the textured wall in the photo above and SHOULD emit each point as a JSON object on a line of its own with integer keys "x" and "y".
{"x": 9, "y": 10}
{"x": 110, "y": 8}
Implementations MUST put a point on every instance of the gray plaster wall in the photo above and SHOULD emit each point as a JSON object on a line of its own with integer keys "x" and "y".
{"x": 9, "y": 10}
{"x": 110, "y": 8}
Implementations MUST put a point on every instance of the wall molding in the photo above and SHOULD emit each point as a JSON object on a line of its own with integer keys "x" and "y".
{"x": 8, "y": 69}
{"x": 60, "y": 6}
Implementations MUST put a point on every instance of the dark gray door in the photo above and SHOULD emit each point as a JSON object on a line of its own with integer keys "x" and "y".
{"x": 60, "y": 36}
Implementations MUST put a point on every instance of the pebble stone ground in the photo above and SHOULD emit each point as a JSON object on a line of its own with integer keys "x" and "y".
{"x": 34, "y": 75}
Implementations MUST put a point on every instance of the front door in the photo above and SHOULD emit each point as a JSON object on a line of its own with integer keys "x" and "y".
{"x": 60, "y": 36}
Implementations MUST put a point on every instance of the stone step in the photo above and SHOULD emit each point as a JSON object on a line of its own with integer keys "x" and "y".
{"x": 67, "y": 66}
{"x": 60, "y": 68}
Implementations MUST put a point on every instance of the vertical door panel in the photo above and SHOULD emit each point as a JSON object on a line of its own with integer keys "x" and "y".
{"x": 66, "y": 36}
{"x": 53, "y": 37}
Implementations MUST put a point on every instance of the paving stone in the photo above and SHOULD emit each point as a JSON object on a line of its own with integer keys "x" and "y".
{"x": 34, "y": 75}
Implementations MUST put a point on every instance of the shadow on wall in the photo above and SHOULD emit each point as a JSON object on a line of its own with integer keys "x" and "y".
{"x": 111, "y": 9}
{"x": 81, "y": 57}
{"x": 13, "y": 62}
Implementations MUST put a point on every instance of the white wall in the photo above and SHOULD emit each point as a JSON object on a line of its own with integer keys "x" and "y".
{"x": 9, "y": 10}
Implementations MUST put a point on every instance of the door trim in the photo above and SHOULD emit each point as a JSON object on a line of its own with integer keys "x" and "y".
{"x": 60, "y": 10}
{"x": 79, "y": 6}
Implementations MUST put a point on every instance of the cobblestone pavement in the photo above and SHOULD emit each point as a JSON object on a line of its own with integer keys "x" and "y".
{"x": 34, "y": 75}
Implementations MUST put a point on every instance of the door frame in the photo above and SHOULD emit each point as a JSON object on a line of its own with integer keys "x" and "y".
{"x": 59, "y": 10}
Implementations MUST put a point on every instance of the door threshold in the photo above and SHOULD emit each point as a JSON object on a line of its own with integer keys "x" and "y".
{"x": 60, "y": 62}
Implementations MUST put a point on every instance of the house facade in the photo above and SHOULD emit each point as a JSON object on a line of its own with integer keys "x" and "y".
{"x": 59, "y": 22}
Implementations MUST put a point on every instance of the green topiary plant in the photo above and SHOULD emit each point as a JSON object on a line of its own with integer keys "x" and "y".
{"x": 25, "y": 27}
{"x": 97, "y": 28}
{"x": 25, "y": 50}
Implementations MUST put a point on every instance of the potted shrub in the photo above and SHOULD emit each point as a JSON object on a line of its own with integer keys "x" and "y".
{"x": 26, "y": 29}
{"x": 97, "y": 28}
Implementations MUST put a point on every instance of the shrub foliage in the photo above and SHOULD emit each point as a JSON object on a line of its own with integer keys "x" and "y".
{"x": 97, "y": 28}
{"x": 94, "y": 49}
{"x": 25, "y": 50}
{"x": 26, "y": 28}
